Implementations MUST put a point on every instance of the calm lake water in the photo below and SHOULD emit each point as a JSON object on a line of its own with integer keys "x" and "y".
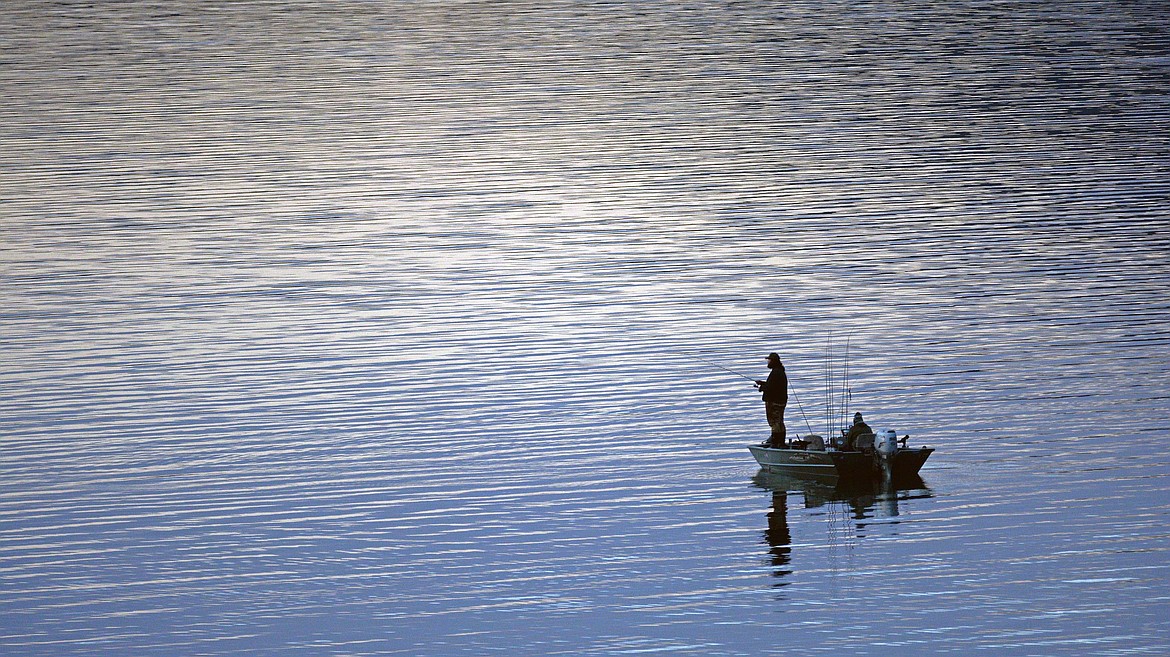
{"x": 396, "y": 328}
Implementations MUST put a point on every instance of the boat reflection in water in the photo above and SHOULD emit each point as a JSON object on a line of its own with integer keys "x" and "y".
{"x": 849, "y": 506}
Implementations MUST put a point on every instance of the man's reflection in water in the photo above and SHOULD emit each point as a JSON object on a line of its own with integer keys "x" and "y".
{"x": 778, "y": 536}
{"x": 850, "y": 507}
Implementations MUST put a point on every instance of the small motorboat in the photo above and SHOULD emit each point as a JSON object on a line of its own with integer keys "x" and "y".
{"x": 878, "y": 455}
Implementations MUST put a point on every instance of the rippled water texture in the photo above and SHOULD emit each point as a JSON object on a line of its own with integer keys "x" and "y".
{"x": 380, "y": 328}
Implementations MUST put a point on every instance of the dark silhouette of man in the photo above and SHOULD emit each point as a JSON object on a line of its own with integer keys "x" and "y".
{"x": 775, "y": 394}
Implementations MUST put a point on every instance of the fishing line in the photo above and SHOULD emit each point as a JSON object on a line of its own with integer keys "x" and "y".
{"x": 806, "y": 424}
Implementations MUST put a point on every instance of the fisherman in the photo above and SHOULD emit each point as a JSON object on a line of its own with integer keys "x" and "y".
{"x": 775, "y": 395}
{"x": 859, "y": 428}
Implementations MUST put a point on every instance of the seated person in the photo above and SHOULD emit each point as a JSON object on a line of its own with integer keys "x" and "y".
{"x": 859, "y": 428}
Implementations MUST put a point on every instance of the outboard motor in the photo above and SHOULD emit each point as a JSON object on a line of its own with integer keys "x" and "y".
{"x": 887, "y": 443}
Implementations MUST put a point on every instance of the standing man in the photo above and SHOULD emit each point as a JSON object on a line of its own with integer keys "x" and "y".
{"x": 775, "y": 394}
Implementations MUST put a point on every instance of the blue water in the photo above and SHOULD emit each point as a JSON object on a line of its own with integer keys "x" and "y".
{"x": 397, "y": 328}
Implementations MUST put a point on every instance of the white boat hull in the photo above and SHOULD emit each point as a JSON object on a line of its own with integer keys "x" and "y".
{"x": 835, "y": 463}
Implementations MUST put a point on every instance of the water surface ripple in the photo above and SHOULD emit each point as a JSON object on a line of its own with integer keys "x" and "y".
{"x": 369, "y": 328}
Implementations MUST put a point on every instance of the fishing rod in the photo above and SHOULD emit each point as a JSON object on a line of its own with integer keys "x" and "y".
{"x": 846, "y": 391}
{"x": 829, "y": 387}
{"x": 790, "y": 386}
{"x": 713, "y": 364}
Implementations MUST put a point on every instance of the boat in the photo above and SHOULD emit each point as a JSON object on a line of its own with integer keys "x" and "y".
{"x": 875, "y": 456}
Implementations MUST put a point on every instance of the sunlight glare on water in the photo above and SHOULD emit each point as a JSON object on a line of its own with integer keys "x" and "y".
{"x": 425, "y": 328}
